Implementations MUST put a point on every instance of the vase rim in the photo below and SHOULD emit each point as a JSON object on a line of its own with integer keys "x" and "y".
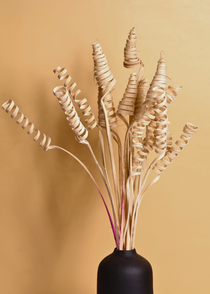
{"x": 127, "y": 251}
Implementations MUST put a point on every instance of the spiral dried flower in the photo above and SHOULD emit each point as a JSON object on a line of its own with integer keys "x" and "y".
{"x": 171, "y": 93}
{"x": 157, "y": 98}
{"x": 61, "y": 92}
{"x": 102, "y": 71}
{"x": 82, "y": 103}
{"x": 104, "y": 78}
{"x": 127, "y": 104}
{"x": 141, "y": 150}
{"x": 10, "y": 106}
{"x": 130, "y": 52}
{"x": 143, "y": 88}
{"x": 188, "y": 130}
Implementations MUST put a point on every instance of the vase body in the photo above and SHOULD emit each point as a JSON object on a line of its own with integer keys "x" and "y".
{"x": 124, "y": 272}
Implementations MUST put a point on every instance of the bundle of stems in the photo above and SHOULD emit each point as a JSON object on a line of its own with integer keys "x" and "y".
{"x": 143, "y": 111}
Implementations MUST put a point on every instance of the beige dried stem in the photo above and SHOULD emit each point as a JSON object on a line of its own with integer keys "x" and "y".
{"x": 147, "y": 129}
{"x": 106, "y": 111}
{"x": 155, "y": 109}
{"x": 151, "y": 113}
{"x": 126, "y": 107}
{"x": 10, "y": 106}
{"x": 62, "y": 94}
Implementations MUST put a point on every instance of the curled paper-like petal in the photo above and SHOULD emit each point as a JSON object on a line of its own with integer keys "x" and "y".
{"x": 61, "y": 92}
{"x": 137, "y": 131}
{"x": 157, "y": 99}
{"x": 169, "y": 140}
{"x": 127, "y": 104}
{"x": 104, "y": 79}
{"x": 160, "y": 77}
{"x": 188, "y": 131}
{"x": 130, "y": 52}
{"x": 158, "y": 84}
{"x": 171, "y": 93}
{"x": 102, "y": 71}
{"x": 143, "y": 88}
{"x": 10, "y": 107}
{"x": 82, "y": 103}
{"x": 108, "y": 102}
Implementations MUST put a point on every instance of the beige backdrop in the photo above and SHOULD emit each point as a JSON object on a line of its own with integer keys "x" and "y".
{"x": 53, "y": 227}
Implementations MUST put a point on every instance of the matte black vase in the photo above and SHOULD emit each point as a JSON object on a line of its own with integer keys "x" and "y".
{"x": 124, "y": 272}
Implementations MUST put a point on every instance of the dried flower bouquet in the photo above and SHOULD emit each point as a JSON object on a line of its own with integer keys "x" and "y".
{"x": 143, "y": 110}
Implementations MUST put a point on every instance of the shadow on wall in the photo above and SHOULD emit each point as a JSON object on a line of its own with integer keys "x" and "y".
{"x": 55, "y": 196}
{"x": 65, "y": 180}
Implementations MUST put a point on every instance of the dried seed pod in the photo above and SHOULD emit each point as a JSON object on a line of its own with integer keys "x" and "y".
{"x": 61, "y": 92}
{"x": 82, "y": 103}
{"x": 10, "y": 106}
{"x": 104, "y": 78}
{"x": 130, "y": 53}
{"x": 188, "y": 130}
{"x": 127, "y": 104}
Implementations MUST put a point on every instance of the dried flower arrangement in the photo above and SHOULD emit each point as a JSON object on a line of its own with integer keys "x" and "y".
{"x": 143, "y": 110}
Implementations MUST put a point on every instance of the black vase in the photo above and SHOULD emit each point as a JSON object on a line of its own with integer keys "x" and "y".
{"x": 124, "y": 272}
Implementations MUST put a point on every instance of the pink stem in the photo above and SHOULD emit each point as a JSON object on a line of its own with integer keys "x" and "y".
{"x": 122, "y": 212}
{"x": 110, "y": 218}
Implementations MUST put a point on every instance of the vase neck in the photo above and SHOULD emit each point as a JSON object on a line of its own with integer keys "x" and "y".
{"x": 125, "y": 252}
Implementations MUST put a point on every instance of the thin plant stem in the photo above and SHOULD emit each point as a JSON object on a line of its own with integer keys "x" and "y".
{"x": 110, "y": 145}
{"x": 108, "y": 190}
{"x": 91, "y": 176}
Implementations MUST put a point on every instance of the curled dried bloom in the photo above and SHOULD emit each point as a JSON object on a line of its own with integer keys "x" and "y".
{"x": 82, "y": 103}
{"x": 130, "y": 52}
{"x": 62, "y": 94}
{"x": 104, "y": 79}
{"x": 188, "y": 130}
{"x": 143, "y": 88}
{"x": 102, "y": 71}
{"x": 157, "y": 99}
{"x": 171, "y": 93}
{"x": 108, "y": 102}
{"x": 141, "y": 150}
{"x": 127, "y": 104}
{"x": 10, "y": 106}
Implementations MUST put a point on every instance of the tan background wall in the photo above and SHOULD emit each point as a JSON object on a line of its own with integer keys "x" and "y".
{"x": 53, "y": 227}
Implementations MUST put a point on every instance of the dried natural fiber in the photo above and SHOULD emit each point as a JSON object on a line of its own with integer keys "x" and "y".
{"x": 143, "y": 88}
{"x": 10, "y": 106}
{"x": 130, "y": 52}
{"x": 61, "y": 92}
{"x": 102, "y": 71}
{"x": 127, "y": 104}
{"x": 146, "y": 134}
{"x": 104, "y": 78}
{"x": 82, "y": 103}
{"x": 156, "y": 97}
{"x": 138, "y": 129}
{"x": 188, "y": 130}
